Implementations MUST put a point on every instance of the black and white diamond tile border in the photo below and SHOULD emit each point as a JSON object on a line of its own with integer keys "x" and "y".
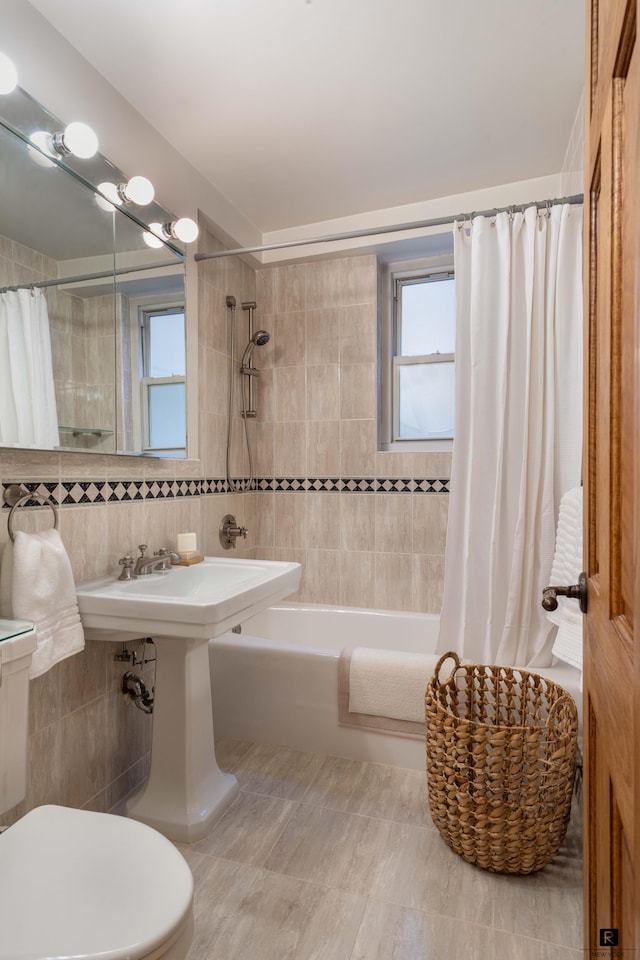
{"x": 71, "y": 493}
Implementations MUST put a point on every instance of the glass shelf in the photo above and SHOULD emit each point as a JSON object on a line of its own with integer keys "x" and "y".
{"x": 13, "y": 628}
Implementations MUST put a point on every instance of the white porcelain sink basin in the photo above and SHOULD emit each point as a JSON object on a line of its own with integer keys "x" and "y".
{"x": 198, "y": 602}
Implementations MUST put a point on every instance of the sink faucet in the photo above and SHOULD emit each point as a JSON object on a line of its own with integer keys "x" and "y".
{"x": 161, "y": 560}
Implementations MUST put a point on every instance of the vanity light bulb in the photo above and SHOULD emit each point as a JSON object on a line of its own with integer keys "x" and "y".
{"x": 8, "y": 74}
{"x": 185, "y": 229}
{"x": 80, "y": 139}
{"x": 139, "y": 190}
{"x": 152, "y": 236}
{"x": 110, "y": 197}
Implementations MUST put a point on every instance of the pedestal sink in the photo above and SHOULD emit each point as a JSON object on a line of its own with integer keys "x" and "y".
{"x": 181, "y": 609}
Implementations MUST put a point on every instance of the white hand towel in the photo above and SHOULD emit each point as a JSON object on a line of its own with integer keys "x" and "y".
{"x": 36, "y": 583}
{"x": 565, "y": 569}
{"x": 389, "y": 683}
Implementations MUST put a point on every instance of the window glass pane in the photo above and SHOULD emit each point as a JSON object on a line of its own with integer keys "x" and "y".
{"x": 166, "y": 415}
{"x": 428, "y": 317}
{"x": 166, "y": 345}
{"x": 427, "y": 400}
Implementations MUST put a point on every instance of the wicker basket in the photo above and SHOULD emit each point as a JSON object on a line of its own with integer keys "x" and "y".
{"x": 501, "y": 753}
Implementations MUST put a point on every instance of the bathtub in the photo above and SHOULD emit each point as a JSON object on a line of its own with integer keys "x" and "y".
{"x": 277, "y": 681}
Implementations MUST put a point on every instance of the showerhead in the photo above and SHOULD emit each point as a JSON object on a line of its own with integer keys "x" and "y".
{"x": 259, "y": 339}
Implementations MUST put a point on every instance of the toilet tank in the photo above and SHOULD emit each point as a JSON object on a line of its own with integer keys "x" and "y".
{"x": 17, "y": 643}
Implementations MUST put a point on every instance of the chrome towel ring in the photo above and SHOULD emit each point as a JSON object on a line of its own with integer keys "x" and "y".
{"x": 17, "y": 495}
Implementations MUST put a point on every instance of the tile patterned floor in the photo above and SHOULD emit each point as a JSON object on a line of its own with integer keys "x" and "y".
{"x": 321, "y": 858}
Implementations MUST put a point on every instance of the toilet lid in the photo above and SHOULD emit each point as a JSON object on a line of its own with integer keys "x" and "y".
{"x": 74, "y": 883}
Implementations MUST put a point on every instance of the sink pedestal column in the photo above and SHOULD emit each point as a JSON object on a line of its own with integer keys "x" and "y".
{"x": 186, "y": 792}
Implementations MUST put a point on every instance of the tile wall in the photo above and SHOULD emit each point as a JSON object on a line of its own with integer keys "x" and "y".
{"x": 369, "y": 527}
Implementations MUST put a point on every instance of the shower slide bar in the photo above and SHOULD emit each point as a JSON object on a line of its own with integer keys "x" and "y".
{"x": 103, "y": 275}
{"x": 393, "y": 228}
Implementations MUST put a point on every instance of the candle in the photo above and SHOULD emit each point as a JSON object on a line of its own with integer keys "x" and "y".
{"x": 186, "y": 543}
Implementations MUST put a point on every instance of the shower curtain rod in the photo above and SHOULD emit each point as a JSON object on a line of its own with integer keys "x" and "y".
{"x": 397, "y": 228}
{"x": 90, "y": 276}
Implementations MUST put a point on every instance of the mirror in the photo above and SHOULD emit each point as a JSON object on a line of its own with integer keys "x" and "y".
{"x": 92, "y": 318}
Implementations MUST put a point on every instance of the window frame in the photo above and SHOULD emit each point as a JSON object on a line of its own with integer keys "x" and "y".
{"x": 392, "y": 275}
{"x": 141, "y": 308}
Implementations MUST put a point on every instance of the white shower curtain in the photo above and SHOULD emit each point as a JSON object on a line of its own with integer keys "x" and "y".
{"x": 28, "y": 415}
{"x": 518, "y": 430}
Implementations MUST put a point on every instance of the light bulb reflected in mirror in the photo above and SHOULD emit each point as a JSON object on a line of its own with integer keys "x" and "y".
{"x": 8, "y": 74}
{"x": 42, "y": 140}
{"x": 152, "y": 236}
{"x": 108, "y": 197}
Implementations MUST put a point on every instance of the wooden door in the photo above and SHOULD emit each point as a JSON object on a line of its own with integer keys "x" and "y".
{"x": 612, "y": 482}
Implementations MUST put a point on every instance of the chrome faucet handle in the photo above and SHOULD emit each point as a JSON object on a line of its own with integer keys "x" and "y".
{"x": 127, "y": 563}
{"x": 169, "y": 556}
{"x": 230, "y": 531}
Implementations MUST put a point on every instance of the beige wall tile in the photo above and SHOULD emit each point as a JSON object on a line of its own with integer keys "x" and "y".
{"x": 357, "y": 391}
{"x": 394, "y": 581}
{"x": 394, "y": 521}
{"x": 289, "y": 387}
{"x": 358, "y": 521}
{"x": 290, "y": 449}
{"x": 430, "y": 513}
{"x": 264, "y": 460}
{"x": 323, "y": 448}
{"x": 357, "y": 448}
{"x": 358, "y": 333}
{"x": 390, "y": 464}
{"x": 265, "y": 519}
{"x": 323, "y": 336}
{"x": 49, "y": 766}
{"x": 323, "y": 392}
{"x": 323, "y": 521}
{"x": 265, "y": 283}
{"x": 290, "y": 517}
{"x": 289, "y": 340}
{"x": 357, "y": 580}
{"x": 432, "y": 465}
{"x": 289, "y": 285}
{"x": 322, "y": 576}
{"x": 428, "y": 583}
{"x": 83, "y": 747}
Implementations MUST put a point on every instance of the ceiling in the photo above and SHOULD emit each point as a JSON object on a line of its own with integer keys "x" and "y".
{"x": 300, "y": 111}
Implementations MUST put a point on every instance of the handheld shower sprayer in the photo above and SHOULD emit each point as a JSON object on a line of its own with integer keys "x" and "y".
{"x": 259, "y": 338}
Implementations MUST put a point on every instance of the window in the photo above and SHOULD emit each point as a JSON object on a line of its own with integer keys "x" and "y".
{"x": 418, "y": 375}
{"x": 162, "y": 380}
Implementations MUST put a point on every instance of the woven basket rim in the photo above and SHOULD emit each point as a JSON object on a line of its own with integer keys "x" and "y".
{"x": 552, "y": 692}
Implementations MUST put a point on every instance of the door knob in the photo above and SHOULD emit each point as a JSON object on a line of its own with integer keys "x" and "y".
{"x": 578, "y": 591}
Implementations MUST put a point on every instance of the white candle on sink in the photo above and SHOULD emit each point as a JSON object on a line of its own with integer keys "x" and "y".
{"x": 186, "y": 543}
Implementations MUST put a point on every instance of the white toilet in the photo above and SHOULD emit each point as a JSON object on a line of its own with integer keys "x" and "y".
{"x": 76, "y": 884}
